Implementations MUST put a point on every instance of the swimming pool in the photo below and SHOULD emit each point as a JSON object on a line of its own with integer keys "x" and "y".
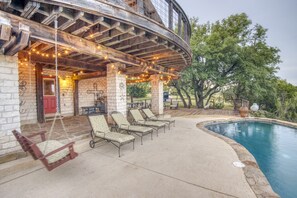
{"x": 274, "y": 147}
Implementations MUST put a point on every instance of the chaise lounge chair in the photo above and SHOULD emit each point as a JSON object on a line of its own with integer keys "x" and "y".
{"x": 123, "y": 125}
{"x": 102, "y": 131}
{"x": 151, "y": 116}
{"x": 141, "y": 121}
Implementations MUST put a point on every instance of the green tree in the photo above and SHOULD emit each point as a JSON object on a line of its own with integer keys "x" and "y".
{"x": 139, "y": 90}
{"x": 229, "y": 53}
{"x": 286, "y": 104}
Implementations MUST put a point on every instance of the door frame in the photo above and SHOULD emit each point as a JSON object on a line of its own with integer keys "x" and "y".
{"x": 58, "y": 108}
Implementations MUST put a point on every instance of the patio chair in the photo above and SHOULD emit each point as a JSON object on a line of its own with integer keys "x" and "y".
{"x": 51, "y": 153}
{"x": 151, "y": 116}
{"x": 123, "y": 125}
{"x": 102, "y": 131}
{"x": 138, "y": 119}
{"x": 174, "y": 105}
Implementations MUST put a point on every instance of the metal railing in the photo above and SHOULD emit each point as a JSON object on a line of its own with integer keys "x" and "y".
{"x": 168, "y": 11}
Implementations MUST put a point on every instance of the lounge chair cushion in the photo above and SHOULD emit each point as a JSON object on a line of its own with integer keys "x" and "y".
{"x": 150, "y": 115}
{"x": 139, "y": 129}
{"x": 51, "y": 145}
{"x": 118, "y": 137}
{"x": 120, "y": 119}
{"x": 152, "y": 123}
{"x": 99, "y": 123}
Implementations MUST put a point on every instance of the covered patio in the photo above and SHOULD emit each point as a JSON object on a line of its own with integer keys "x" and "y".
{"x": 74, "y": 58}
{"x": 183, "y": 162}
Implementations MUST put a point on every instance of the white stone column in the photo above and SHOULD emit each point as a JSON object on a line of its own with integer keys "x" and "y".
{"x": 157, "y": 94}
{"x": 9, "y": 105}
{"x": 116, "y": 89}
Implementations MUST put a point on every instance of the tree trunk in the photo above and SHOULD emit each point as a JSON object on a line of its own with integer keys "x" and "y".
{"x": 189, "y": 98}
{"x": 200, "y": 103}
{"x": 131, "y": 98}
{"x": 181, "y": 97}
{"x": 200, "y": 96}
{"x": 178, "y": 90}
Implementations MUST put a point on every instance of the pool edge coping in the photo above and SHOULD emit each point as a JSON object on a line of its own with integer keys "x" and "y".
{"x": 252, "y": 172}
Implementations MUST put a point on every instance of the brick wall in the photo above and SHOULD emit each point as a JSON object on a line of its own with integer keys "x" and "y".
{"x": 9, "y": 105}
{"x": 86, "y": 99}
{"x": 157, "y": 94}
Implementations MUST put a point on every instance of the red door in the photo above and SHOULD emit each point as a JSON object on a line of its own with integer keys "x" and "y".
{"x": 49, "y": 96}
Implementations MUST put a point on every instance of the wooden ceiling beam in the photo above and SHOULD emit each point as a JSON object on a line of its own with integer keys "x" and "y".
{"x": 124, "y": 37}
{"x": 52, "y": 15}
{"x": 65, "y": 62}
{"x": 30, "y": 9}
{"x": 47, "y": 34}
{"x": 71, "y": 21}
{"x": 135, "y": 42}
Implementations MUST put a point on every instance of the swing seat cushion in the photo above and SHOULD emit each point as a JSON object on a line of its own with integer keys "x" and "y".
{"x": 51, "y": 146}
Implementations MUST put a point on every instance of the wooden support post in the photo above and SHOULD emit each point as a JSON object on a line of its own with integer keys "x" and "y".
{"x": 76, "y": 98}
{"x": 140, "y": 6}
{"x": 179, "y": 25}
{"x": 39, "y": 93}
{"x": 170, "y": 14}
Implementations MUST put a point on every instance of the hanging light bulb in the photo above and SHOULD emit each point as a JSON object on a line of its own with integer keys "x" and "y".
{"x": 105, "y": 57}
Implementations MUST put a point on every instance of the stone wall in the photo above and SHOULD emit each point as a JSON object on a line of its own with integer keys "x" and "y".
{"x": 116, "y": 89}
{"x": 85, "y": 98}
{"x": 27, "y": 92}
{"x": 157, "y": 94}
{"x": 9, "y": 105}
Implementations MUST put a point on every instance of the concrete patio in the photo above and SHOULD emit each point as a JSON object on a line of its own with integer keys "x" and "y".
{"x": 183, "y": 162}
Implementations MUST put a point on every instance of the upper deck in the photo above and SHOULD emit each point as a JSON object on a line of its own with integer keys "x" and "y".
{"x": 151, "y": 34}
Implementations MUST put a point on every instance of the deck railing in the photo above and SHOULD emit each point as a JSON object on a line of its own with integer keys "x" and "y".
{"x": 169, "y": 13}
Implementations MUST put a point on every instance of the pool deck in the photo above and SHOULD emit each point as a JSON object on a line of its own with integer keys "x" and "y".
{"x": 183, "y": 162}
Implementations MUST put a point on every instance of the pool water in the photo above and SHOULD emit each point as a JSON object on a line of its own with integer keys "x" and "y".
{"x": 274, "y": 147}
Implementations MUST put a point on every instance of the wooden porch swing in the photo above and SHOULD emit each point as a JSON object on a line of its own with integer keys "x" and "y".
{"x": 51, "y": 153}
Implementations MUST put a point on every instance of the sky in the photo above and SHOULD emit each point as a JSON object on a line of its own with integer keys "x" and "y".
{"x": 278, "y": 16}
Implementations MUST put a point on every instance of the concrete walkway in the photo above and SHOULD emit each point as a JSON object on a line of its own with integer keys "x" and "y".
{"x": 183, "y": 162}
